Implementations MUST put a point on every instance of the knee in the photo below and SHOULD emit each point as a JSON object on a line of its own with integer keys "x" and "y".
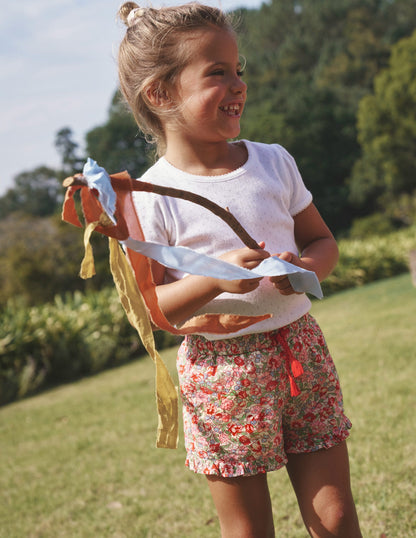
{"x": 339, "y": 520}
{"x": 336, "y": 519}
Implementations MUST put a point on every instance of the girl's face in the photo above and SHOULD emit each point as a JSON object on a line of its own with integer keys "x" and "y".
{"x": 209, "y": 92}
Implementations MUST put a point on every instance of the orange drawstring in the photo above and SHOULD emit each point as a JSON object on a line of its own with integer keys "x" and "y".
{"x": 293, "y": 366}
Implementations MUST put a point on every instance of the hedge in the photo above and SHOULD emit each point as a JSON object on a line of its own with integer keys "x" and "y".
{"x": 74, "y": 336}
{"x": 81, "y": 334}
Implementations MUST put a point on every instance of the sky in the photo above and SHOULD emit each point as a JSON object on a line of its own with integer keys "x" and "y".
{"x": 58, "y": 69}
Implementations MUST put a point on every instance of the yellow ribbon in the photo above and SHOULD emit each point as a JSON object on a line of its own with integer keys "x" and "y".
{"x": 133, "y": 304}
{"x": 87, "y": 265}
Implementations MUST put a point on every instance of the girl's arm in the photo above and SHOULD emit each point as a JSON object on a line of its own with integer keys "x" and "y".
{"x": 318, "y": 248}
{"x": 179, "y": 300}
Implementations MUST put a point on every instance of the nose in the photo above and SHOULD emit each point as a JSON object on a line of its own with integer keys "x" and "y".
{"x": 239, "y": 86}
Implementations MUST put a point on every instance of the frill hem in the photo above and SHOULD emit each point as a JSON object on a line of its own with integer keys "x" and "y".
{"x": 327, "y": 442}
{"x": 236, "y": 468}
{"x": 231, "y": 470}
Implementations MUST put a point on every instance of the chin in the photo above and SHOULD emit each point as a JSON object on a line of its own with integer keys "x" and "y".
{"x": 233, "y": 133}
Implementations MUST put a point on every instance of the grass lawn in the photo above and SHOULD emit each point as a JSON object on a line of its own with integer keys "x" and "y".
{"x": 79, "y": 460}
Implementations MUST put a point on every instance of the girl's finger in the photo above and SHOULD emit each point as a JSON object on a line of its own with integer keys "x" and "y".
{"x": 286, "y": 256}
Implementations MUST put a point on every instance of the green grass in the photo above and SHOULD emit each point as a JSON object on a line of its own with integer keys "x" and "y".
{"x": 79, "y": 461}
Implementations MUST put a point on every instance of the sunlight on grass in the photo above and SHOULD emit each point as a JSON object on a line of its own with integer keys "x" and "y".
{"x": 80, "y": 460}
{"x": 371, "y": 333}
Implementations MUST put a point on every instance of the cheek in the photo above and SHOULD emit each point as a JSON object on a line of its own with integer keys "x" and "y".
{"x": 200, "y": 107}
{"x": 209, "y": 101}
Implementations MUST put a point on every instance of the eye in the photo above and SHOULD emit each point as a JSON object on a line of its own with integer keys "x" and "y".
{"x": 218, "y": 72}
{"x": 240, "y": 73}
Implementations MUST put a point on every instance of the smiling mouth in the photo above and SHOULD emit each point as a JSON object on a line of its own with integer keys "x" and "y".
{"x": 232, "y": 110}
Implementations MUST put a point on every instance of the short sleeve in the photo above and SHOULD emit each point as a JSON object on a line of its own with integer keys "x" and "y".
{"x": 300, "y": 196}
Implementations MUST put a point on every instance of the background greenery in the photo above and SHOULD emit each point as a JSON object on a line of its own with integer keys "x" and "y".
{"x": 334, "y": 82}
{"x": 80, "y": 460}
{"x": 80, "y": 334}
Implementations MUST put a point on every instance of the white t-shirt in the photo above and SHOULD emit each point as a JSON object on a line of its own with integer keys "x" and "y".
{"x": 264, "y": 195}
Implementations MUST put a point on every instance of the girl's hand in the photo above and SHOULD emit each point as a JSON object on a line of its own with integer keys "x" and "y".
{"x": 282, "y": 283}
{"x": 319, "y": 251}
{"x": 179, "y": 300}
{"x": 244, "y": 257}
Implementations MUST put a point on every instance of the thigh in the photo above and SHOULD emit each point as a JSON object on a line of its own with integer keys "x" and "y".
{"x": 314, "y": 419}
{"x": 321, "y": 481}
{"x": 243, "y": 506}
{"x": 232, "y": 405}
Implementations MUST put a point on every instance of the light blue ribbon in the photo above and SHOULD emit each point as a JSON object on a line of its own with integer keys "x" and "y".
{"x": 190, "y": 261}
{"x": 194, "y": 263}
{"x": 97, "y": 178}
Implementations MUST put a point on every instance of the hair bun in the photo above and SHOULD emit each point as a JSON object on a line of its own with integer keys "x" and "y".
{"x": 129, "y": 11}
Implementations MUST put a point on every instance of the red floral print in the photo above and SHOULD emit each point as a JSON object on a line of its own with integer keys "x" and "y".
{"x": 239, "y": 415}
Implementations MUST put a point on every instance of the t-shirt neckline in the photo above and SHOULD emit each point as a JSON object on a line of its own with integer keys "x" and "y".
{"x": 215, "y": 178}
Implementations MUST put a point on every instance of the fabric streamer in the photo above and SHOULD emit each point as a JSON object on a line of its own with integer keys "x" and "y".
{"x": 194, "y": 263}
{"x": 87, "y": 265}
{"x": 108, "y": 208}
{"x": 133, "y": 304}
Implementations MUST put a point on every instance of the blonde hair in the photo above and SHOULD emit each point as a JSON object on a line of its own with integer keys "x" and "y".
{"x": 151, "y": 55}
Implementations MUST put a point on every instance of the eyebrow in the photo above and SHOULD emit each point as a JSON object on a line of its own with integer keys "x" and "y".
{"x": 239, "y": 65}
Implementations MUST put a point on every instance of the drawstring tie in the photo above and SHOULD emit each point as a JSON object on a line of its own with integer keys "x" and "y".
{"x": 293, "y": 366}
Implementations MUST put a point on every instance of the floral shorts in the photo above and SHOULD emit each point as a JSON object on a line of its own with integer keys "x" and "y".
{"x": 251, "y": 400}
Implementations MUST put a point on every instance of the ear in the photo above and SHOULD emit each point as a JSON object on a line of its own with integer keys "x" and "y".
{"x": 157, "y": 95}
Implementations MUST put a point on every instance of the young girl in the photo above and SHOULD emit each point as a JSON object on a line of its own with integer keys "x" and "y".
{"x": 245, "y": 414}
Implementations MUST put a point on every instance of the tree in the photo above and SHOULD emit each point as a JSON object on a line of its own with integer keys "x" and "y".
{"x": 67, "y": 148}
{"x": 41, "y": 257}
{"x": 37, "y": 192}
{"x": 309, "y": 64}
{"x": 387, "y": 132}
{"x": 118, "y": 145}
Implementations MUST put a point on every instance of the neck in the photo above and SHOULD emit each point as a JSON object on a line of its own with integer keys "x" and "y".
{"x": 208, "y": 159}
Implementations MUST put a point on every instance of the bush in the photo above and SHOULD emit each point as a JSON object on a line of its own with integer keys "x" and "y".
{"x": 77, "y": 335}
{"x": 41, "y": 257}
{"x": 371, "y": 259}
{"x": 376, "y": 224}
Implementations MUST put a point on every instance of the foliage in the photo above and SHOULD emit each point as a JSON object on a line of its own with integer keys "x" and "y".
{"x": 67, "y": 148}
{"x": 118, "y": 145}
{"x": 77, "y": 335}
{"x": 375, "y": 224}
{"x": 40, "y": 258}
{"x": 80, "y": 460}
{"x": 399, "y": 212}
{"x": 402, "y": 208}
{"x": 39, "y": 192}
{"x": 74, "y": 336}
{"x": 371, "y": 259}
{"x": 387, "y": 131}
{"x": 308, "y": 66}
{"x": 36, "y": 192}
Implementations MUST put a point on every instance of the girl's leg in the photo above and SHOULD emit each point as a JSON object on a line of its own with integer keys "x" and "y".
{"x": 243, "y": 506}
{"x": 321, "y": 481}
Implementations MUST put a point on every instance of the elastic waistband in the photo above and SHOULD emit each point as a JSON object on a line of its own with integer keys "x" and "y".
{"x": 246, "y": 343}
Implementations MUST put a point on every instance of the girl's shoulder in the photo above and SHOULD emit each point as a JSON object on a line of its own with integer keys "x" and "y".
{"x": 155, "y": 173}
{"x": 273, "y": 156}
{"x": 273, "y": 149}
